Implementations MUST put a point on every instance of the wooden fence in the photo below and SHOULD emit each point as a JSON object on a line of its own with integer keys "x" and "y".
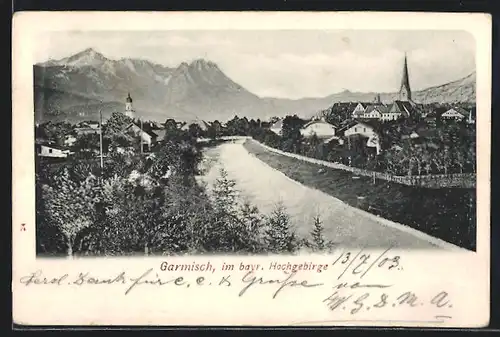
{"x": 462, "y": 180}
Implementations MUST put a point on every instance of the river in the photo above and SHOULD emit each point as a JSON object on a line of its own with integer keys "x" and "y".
{"x": 346, "y": 226}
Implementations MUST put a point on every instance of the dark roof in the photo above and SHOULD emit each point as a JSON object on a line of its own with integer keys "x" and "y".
{"x": 317, "y": 121}
{"x": 348, "y": 124}
{"x": 374, "y": 125}
{"x": 364, "y": 104}
{"x": 437, "y": 112}
{"x": 52, "y": 146}
{"x": 343, "y": 104}
{"x": 41, "y": 141}
{"x": 379, "y": 107}
{"x": 460, "y": 110}
{"x": 146, "y": 130}
{"x": 403, "y": 107}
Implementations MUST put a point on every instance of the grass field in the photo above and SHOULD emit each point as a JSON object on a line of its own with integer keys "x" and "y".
{"x": 447, "y": 213}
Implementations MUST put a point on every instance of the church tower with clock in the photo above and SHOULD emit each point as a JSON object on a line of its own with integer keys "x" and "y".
{"x": 129, "y": 109}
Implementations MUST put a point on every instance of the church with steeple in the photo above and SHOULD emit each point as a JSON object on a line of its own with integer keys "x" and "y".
{"x": 404, "y": 89}
{"x": 129, "y": 109}
{"x": 404, "y": 106}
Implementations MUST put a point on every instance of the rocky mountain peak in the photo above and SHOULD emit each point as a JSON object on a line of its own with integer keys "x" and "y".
{"x": 87, "y": 57}
{"x": 201, "y": 64}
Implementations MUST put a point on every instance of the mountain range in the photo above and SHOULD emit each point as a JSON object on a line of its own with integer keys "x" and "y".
{"x": 77, "y": 87}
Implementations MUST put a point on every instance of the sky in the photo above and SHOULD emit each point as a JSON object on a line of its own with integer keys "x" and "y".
{"x": 290, "y": 63}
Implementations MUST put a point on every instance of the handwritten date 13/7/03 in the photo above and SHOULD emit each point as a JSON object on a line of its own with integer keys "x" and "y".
{"x": 355, "y": 303}
{"x": 360, "y": 263}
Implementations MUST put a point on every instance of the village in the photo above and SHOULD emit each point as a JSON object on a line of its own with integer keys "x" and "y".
{"x": 173, "y": 186}
{"x": 401, "y": 137}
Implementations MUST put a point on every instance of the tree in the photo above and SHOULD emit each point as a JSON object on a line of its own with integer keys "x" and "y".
{"x": 118, "y": 140}
{"x": 87, "y": 143}
{"x": 444, "y": 160}
{"x": 314, "y": 149}
{"x": 117, "y": 122}
{"x": 71, "y": 206}
{"x": 225, "y": 194}
{"x": 54, "y": 131}
{"x": 214, "y": 130}
{"x": 279, "y": 235}
{"x": 471, "y": 155}
{"x": 291, "y": 136}
{"x": 170, "y": 124}
{"x": 195, "y": 131}
{"x": 270, "y": 138}
{"x": 49, "y": 239}
{"x": 251, "y": 229}
{"x": 319, "y": 242}
{"x": 173, "y": 133}
{"x": 134, "y": 218}
{"x": 232, "y": 226}
{"x": 180, "y": 156}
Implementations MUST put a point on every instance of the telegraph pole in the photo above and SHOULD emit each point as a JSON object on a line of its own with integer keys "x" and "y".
{"x": 100, "y": 138}
{"x": 349, "y": 144}
{"x": 142, "y": 150}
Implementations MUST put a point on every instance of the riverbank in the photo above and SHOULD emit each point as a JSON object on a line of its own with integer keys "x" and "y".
{"x": 447, "y": 213}
{"x": 345, "y": 226}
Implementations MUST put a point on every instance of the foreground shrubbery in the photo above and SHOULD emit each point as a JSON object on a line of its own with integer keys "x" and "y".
{"x": 153, "y": 205}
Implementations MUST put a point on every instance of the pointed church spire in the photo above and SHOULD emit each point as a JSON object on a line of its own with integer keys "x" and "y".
{"x": 404, "y": 90}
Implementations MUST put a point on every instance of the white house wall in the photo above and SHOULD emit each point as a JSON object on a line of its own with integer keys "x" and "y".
{"x": 46, "y": 151}
{"x": 320, "y": 129}
{"x": 360, "y": 129}
{"x": 453, "y": 114}
{"x": 359, "y": 108}
{"x": 374, "y": 114}
{"x": 146, "y": 139}
{"x": 276, "y": 131}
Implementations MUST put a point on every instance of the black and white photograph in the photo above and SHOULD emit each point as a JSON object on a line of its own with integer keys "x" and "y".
{"x": 188, "y": 142}
{"x": 251, "y": 169}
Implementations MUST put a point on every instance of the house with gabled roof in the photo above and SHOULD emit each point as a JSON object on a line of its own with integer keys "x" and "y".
{"x": 277, "y": 127}
{"x": 147, "y": 137}
{"x": 48, "y": 149}
{"x": 360, "y": 128}
{"x": 359, "y": 109}
{"x": 364, "y": 129}
{"x": 374, "y": 111}
{"x": 456, "y": 113}
{"x": 400, "y": 109}
{"x": 321, "y": 128}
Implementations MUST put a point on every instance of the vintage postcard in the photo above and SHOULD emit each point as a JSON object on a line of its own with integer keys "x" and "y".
{"x": 251, "y": 169}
